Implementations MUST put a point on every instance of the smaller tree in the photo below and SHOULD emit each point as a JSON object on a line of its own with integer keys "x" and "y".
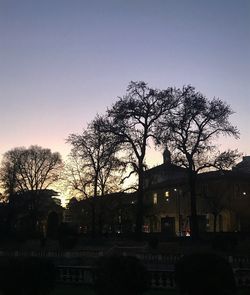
{"x": 217, "y": 200}
{"x": 93, "y": 163}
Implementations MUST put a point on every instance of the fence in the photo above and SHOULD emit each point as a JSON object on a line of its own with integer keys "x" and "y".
{"x": 85, "y": 275}
{"x": 52, "y": 254}
{"x": 160, "y": 266}
{"x": 159, "y": 278}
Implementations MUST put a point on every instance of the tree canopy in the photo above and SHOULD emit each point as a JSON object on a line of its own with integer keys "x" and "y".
{"x": 93, "y": 161}
{"x": 94, "y": 168}
{"x": 29, "y": 169}
{"x": 190, "y": 131}
{"x": 133, "y": 121}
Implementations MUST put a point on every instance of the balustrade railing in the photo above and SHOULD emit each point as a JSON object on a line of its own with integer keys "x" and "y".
{"x": 75, "y": 274}
{"x": 159, "y": 278}
{"x": 160, "y": 266}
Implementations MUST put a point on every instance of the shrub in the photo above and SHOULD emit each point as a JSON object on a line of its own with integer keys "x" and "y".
{"x": 204, "y": 274}
{"x": 121, "y": 275}
{"x": 29, "y": 276}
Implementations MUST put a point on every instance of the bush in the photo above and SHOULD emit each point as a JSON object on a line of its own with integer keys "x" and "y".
{"x": 204, "y": 274}
{"x": 153, "y": 243}
{"x": 29, "y": 276}
{"x": 67, "y": 236}
{"x": 224, "y": 243}
{"x": 121, "y": 275}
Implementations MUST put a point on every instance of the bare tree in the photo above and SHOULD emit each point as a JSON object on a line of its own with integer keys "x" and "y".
{"x": 93, "y": 163}
{"x": 216, "y": 203}
{"x": 191, "y": 132}
{"x": 26, "y": 174}
{"x": 31, "y": 169}
{"x": 132, "y": 120}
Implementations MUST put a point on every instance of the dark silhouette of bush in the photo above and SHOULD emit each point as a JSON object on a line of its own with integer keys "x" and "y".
{"x": 206, "y": 274}
{"x": 153, "y": 242}
{"x": 121, "y": 275}
{"x": 224, "y": 243}
{"x": 53, "y": 225}
{"x": 28, "y": 276}
{"x": 67, "y": 236}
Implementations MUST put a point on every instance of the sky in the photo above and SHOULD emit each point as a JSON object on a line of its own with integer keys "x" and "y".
{"x": 63, "y": 61}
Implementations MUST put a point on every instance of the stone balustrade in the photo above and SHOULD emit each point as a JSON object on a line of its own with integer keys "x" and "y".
{"x": 160, "y": 266}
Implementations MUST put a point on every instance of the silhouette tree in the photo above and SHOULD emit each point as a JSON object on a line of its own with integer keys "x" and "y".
{"x": 218, "y": 199}
{"x": 93, "y": 164}
{"x": 190, "y": 133}
{"x": 132, "y": 120}
{"x": 25, "y": 176}
{"x": 28, "y": 211}
{"x": 31, "y": 169}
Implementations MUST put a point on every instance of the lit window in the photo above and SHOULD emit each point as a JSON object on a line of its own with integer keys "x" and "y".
{"x": 167, "y": 194}
{"x": 155, "y": 198}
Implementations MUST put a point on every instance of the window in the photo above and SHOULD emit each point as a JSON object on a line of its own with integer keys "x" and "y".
{"x": 155, "y": 198}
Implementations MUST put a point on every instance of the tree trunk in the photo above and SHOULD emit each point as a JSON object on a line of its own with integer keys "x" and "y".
{"x": 94, "y": 208}
{"x": 139, "y": 207}
{"x": 93, "y": 217}
{"x": 194, "y": 228}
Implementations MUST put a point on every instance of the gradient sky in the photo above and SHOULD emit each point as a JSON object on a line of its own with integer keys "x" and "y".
{"x": 62, "y": 61}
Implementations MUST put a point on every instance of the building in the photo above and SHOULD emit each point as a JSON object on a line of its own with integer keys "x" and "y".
{"x": 223, "y": 202}
{"x": 222, "y": 199}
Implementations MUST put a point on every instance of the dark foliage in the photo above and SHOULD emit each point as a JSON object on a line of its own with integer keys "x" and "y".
{"x": 28, "y": 276}
{"x": 224, "y": 243}
{"x": 121, "y": 275}
{"x": 153, "y": 243}
{"x": 204, "y": 274}
{"x": 67, "y": 236}
{"x": 27, "y": 211}
{"x": 53, "y": 225}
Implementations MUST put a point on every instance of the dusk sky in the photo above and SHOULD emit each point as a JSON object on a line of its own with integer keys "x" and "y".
{"x": 62, "y": 61}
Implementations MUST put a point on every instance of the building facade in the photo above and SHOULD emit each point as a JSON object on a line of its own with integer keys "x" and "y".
{"x": 223, "y": 202}
{"x": 222, "y": 199}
